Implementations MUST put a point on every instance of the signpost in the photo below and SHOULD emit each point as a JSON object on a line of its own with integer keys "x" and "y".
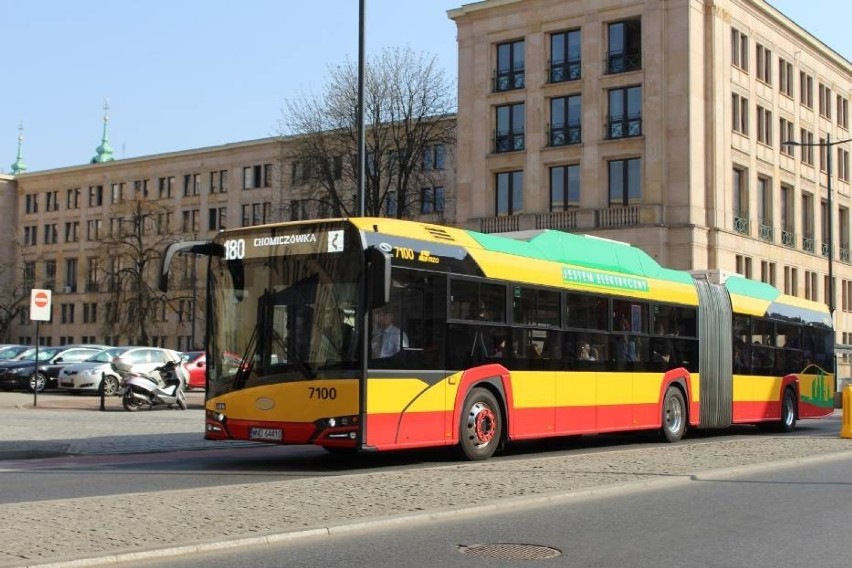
{"x": 40, "y": 301}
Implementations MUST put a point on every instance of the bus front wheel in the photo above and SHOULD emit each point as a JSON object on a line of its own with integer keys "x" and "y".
{"x": 674, "y": 415}
{"x": 481, "y": 427}
{"x": 788, "y": 412}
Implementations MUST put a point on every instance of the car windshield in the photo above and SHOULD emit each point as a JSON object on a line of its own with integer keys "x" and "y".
{"x": 190, "y": 356}
{"x": 44, "y": 353}
{"x": 106, "y": 356}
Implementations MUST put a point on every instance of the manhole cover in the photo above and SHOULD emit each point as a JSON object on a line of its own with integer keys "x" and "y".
{"x": 509, "y": 551}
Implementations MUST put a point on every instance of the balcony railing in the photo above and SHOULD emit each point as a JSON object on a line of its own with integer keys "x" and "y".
{"x": 574, "y": 219}
{"x": 844, "y": 253}
{"x": 741, "y": 222}
{"x": 509, "y": 141}
{"x": 624, "y": 126}
{"x": 808, "y": 244}
{"x": 566, "y": 135}
{"x": 824, "y": 250}
{"x": 767, "y": 233}
{"x": 509, "y": 80}
{"x": 788, "y": 238}
{"x": 622, "y": 61}
{"x": 92, "y": 286}
{"x": 562, "y": 70}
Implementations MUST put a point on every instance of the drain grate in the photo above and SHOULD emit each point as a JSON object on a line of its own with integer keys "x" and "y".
{"x": 510, "y": 551}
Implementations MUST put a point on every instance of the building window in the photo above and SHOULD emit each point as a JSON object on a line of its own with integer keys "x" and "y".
{"x": 824, "y": 101}
{"x": 510, "y": 128}
{"x": 842, "y": 114}
{"x": 739, "y": 49}
{"x": 117, "y": 192}
{"x": 565, "y": 56}
{"x": 219, "y": 181}
{"x": 823, "y": 217}
{"x": 96, "y": 195}
{"x": 791, "y": 281}
{"x": 51, "y": 234}
{"x": 70, "y": 275}
{"x": 431, "y": 200}
{"x": 510, "y": 66}
{"x": 140, "y": 188}
{"x": 93, "y": 269}
{"x": 72, "y": 198}
{"x": 624, "y": 47}
{"x": 764, "y": 64}
{"x": 30, "y": 235}
{"x": 49, "y": 274}
{"x": 31, "y": 203}
{"x": 165, "y": 186}
{"x": 433, "y": 159}
{"x": 764, "y": 209}
{"x": 625, "y": 113}
{"x": 189, "y": 222}
{"x": 807, "y": 139}
{"x": 191, "y": 185}
{"x": 52, "y": 201}
{"x": 788, "y": 214}
{"x": 565, "y": 114}
{"x": 808, "y": 244}
{"x": 740, "y": 193}
{"x": 764, "y": 125}
{"x": 625, "y": 182}
{"x": 93, "y": 229}
{"x": 72, "y": 230}
{"x": 743, "y": 265}
{"x": 740, "y": 114}
{"x": 785, "y": 77}
{"x": 767, "y": 272}
{"x": 216, "y": 218}
{"x": 257, "y": 176}
{"x": 786, "y": 134}
{"x": 842, "y": 164}
{"x": 564, "y": 187}
{"x": 806, "y": 89}
{"x": 510, "y": 193}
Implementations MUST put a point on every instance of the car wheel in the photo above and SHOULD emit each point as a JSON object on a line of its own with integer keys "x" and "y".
{"x": 110, "y": 385}
{"x": 37, "y": 382}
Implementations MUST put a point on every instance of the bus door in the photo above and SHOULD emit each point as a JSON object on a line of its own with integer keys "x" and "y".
{"x": 406, "y": 392}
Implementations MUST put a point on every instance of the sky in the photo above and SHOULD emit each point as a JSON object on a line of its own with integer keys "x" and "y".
{"x": 185, "y": 74}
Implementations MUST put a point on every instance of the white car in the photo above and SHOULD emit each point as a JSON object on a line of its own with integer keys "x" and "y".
{"x": 86, "y": 376}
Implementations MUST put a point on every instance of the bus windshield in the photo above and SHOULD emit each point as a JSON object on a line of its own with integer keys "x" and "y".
{"x": 289, "y": 315}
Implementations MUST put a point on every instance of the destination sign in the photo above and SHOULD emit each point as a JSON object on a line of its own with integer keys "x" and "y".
{"x": 274, "y": 244}
{"x": 595, "y": 278}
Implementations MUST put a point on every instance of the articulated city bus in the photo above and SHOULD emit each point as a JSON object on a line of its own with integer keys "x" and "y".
{"x": 382, "y": 334}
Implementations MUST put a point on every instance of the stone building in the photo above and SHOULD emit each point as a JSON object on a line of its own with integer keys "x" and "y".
{"x": 661, "y": 123}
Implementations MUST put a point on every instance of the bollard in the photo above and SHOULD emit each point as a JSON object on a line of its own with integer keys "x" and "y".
{"x": 101, "y": 392}
{"x": 846, "y": 428}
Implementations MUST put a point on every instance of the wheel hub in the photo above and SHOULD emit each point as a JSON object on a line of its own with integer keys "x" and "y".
{"x": 482, "y": 421}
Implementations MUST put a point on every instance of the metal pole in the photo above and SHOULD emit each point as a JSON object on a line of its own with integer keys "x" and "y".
{"x": 362, "y": 154}
{"x": 830, "y": 230}
{"x": 35, "y": 390}
{"x": 192, "y": 306}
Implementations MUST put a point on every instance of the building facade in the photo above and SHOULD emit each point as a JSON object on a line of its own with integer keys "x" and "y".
{"x": 68, "y": 219}
{"x": 661, "y": 123}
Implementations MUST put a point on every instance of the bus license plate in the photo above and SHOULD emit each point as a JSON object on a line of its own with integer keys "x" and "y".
{"x": 266, "y": 434}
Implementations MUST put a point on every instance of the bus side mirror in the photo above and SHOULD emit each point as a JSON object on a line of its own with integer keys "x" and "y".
{"x": 379, "y": 274}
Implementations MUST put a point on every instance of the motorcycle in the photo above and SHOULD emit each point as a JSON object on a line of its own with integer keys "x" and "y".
{"x": 164, "y": 386}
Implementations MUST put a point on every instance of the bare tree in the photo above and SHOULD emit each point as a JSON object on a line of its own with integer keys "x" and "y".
{"x": 14, "y": 297}
{"x": 409, "y": 107}
{"x": 132, "y": 249}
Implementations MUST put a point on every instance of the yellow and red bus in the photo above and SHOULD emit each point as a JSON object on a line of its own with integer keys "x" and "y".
{"x": 383, "y": 334}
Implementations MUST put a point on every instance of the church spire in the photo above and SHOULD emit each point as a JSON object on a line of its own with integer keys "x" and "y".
{"x": 104, "y": 151}
{"x": 19, "y": 167}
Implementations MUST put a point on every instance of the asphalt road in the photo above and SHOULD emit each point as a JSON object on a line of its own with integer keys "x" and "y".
{"x": 115, "y": 474}
{"x": 794, "y": 516}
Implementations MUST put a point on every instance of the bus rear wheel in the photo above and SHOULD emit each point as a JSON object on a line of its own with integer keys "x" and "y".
{"x": 788, "y": 412}
{"x": 674, "y": 415}
{"x": 481, "y": 427}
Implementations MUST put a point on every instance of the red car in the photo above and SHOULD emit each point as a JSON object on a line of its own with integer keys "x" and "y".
{"x": 195, "y": 364}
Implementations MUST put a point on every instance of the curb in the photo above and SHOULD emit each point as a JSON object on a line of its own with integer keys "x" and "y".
{"x": 377, "y": 523}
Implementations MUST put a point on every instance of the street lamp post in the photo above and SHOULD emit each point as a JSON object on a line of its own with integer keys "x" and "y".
{"x": 827, "y": 144}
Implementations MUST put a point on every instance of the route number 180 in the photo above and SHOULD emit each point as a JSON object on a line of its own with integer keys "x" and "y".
{"x": 235, "y": 249}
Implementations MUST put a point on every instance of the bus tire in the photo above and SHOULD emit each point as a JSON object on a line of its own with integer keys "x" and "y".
{"x": 481, "y": 425}
{"x": 673, "y": 415}
{"x": 788, "y": 412}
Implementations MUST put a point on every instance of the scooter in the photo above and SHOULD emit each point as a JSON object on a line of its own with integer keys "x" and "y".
{"x": 163, "y": 387}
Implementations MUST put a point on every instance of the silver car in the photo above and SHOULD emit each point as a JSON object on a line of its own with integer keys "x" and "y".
{"x": 87, "y": 375}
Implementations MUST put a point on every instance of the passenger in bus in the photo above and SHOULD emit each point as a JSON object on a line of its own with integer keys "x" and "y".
{"x": 387, "y": 337}
{"x": 499, "y": 350}
{"x": 586, "y": 352}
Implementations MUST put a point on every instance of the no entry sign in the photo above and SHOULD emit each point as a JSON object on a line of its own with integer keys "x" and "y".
{"x": 40, "y": 305}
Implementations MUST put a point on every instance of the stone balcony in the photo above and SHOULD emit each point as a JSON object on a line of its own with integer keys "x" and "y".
{"x": 579, "y": 220}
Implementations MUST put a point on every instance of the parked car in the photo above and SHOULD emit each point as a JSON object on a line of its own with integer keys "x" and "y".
{"x": 12, "y": 350}
{"x": 195, "y": 364}
{"x": 86, "y": 376}
{"x": 21, "y": 371}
